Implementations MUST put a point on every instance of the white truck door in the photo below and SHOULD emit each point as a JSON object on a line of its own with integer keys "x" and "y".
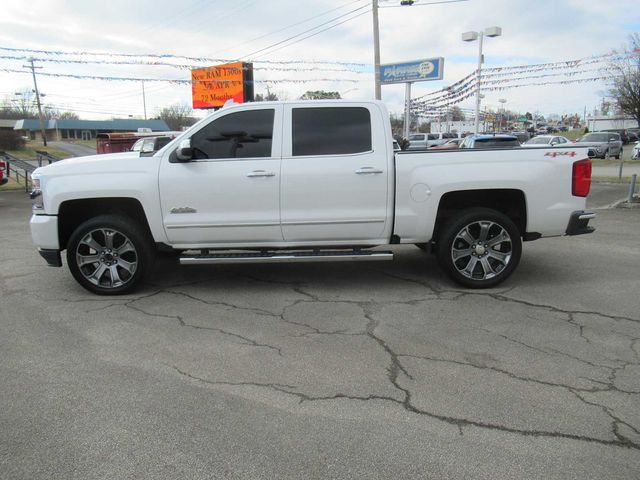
{"x": 335, "y": 173}
{"x": 230, "y": 192}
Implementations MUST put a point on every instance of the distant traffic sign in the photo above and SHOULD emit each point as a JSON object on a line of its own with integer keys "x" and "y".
{"x": 416, "y": 71}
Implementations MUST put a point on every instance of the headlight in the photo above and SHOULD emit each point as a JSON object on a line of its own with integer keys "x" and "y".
{"x": 36, "y": 190}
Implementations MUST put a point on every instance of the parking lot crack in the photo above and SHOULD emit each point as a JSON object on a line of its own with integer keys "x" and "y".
{"x": 243, "y": 340}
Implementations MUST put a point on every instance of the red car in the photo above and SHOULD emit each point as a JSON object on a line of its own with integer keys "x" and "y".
{"x": 3, "y": 172}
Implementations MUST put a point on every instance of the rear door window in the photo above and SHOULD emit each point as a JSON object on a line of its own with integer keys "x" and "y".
{"x": 331, "y": 131}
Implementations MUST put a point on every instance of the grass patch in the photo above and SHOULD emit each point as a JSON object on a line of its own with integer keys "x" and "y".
{"x": 29, "y": 152}
{"x": 612, "y": 162}
{"x": 88, "y": 143}
{"x": 605, "y": 179}
{"x": 12, "y": 185}
{"x": 572, "y": 134}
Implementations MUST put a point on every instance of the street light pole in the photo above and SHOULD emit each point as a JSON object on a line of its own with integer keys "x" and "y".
{"x": 480, "y": 38}
{"x": 376, "y": 50}
{"x": 470, "y": 37}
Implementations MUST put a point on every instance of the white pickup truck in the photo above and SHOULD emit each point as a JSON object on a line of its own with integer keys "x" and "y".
{"x": 303, "y": 181}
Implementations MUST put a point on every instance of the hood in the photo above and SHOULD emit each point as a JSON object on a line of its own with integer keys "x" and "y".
{"x": 94, "y": 164}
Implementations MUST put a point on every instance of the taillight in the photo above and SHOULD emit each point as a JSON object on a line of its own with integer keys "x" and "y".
{"x": 581, "y": 180}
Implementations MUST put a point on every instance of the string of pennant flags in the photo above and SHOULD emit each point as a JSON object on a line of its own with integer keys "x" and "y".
{"x": 177, "y": 81}
{"x": 174, "y": 65}
{"x": 492, "y": 79}
{"x": 167, "y": 56}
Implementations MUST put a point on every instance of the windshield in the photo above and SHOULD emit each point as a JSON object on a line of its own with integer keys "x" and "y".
{"x": 137, "y": 146}
{"x": 595, "y": 137}
{"x": 538, "y": 141}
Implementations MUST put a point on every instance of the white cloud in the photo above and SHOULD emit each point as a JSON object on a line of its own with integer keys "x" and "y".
{"x": 540, "y": 31}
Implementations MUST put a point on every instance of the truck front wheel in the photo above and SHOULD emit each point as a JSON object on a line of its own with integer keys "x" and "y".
{"x": 479, "y": 248}
{"x": 109, "y": 254}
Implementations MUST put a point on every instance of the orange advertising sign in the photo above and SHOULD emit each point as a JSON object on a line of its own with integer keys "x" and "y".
{"x": 213, "y": 86}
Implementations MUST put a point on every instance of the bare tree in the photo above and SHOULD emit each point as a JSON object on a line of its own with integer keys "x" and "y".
{"x": 625, "y": 68}
{"x": 20, "y": 105}
{"x": 457, "y": 114}
{"x": 177, "y": 116}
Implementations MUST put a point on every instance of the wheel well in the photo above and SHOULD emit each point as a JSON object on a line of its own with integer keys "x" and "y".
{"x": 507, "y": 201}
{"x": 72, "y": 213}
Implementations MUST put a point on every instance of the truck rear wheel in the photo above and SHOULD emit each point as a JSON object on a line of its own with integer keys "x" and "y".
{"x": 479, "y": 248}
{"x": 109, "y": 254}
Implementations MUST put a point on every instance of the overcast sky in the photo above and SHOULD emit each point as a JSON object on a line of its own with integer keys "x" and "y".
{"x": 534, "y": 31}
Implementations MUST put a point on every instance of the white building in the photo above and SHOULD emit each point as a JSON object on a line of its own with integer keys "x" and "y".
{"x": 598, "y": 123}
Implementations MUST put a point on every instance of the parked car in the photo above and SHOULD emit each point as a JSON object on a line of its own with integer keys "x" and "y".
{"x": 448, "y": 145}
{"x": 635, "y": 153}
{"x": 303, "y": 181}
{"x": 623, "y": 132}
{"x": 522, "y": 136}
{"x": 633, "y": 137}
{"x": 605, "y": 144}
{"x": 151, "y": 144}
{"x": 422, "y": 141}
{"x": 490, "y": 141}
{"x": 546, "y": 141}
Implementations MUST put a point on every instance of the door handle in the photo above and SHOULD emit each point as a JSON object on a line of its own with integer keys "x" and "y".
{"x": 260, "y": 173}
{"x": 368, "y": 171}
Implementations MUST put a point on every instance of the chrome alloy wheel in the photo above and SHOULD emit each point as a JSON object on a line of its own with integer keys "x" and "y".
{"x": 106, "y": 258}
{"x": 481, "y": 250}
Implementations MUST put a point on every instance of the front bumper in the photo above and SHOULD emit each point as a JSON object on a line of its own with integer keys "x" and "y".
{"x": 579, "y": 223}
{"x": 44, "y": 231}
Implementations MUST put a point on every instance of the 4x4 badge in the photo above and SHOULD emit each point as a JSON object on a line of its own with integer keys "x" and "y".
{"x": 557, "y": 154}
{"x": 183, "y": 210}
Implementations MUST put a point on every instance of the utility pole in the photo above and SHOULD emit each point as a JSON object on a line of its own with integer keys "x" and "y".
{"x": 144, "y": 101}
{"x": 376, "y": 49}
{"x": 35, "y": 86}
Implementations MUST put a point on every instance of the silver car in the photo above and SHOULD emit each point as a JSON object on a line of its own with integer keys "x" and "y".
{"x": 605, "y": 144}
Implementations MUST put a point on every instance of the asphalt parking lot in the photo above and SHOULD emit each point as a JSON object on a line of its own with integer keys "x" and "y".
{"x": 345, "y": 371}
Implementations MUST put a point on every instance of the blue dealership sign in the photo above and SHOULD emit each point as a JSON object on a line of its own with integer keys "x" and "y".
{"x": 416, "y": 71}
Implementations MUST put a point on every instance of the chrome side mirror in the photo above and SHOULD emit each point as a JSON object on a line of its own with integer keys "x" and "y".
{"x": 184, "y": 152}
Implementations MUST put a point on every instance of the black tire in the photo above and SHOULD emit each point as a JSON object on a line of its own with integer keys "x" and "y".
{"x": 117, "y": 253}
{"x": 499, "y": 252}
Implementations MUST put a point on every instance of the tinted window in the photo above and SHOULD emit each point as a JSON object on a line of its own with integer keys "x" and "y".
{"x": 413, "y": 138}
{"x": 331, "y": 131}
{"x": 433, "y": 136}
{"x": 161, "y": 142}
{"x": 594, "y": 137}
{"x": 496, "y": 143}
{"x": 237, "y": 135}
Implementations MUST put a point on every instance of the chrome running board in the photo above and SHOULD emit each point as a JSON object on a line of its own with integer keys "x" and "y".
{"x": 286, "y": 257}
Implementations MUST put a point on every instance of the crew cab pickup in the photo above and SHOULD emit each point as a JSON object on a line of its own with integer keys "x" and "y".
{"x": 303, "y": 181}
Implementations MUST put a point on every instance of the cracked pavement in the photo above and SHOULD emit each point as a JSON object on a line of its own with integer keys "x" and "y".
{"x": 326, "y": 370}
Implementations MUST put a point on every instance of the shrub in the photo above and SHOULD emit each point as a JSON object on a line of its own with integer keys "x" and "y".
{"x": 10, "y": 140}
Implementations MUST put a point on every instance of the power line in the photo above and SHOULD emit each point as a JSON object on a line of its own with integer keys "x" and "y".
{"x": 306, "y": 31}
{"x": 315, "y": 33}
{"x": 291, "y": 25}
